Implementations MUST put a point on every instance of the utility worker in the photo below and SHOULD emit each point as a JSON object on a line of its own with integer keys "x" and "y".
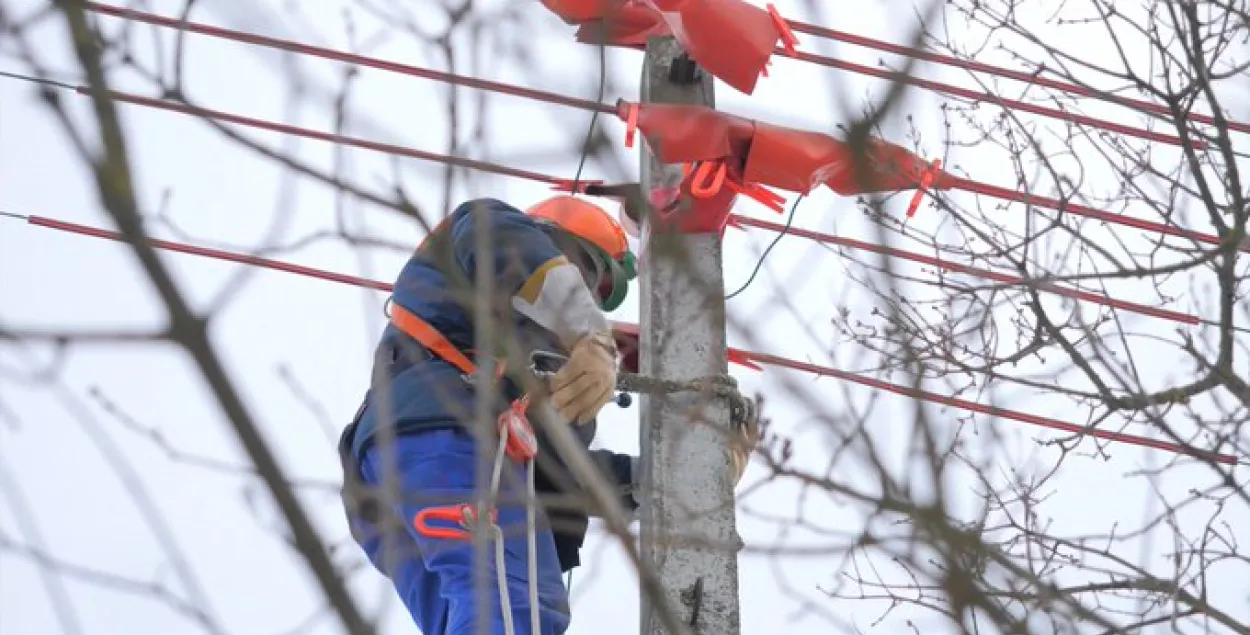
{"x": 558, "y": 266}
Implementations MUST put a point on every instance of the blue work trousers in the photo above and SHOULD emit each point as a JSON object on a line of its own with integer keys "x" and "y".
{"x": 435, "y": 577}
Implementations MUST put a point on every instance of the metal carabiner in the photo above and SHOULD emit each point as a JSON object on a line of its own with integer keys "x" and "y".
{"x": 545, "y": 364}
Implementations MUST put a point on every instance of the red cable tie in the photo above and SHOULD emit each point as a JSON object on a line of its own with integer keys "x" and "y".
{"x": 927, "y": 175}
{"x": 760, "y": 194}
{"x": 631, "y": 121}
{"x": 788, "y": 39}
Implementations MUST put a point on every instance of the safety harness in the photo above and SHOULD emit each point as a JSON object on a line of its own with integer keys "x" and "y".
{"x": 517, "y": 442}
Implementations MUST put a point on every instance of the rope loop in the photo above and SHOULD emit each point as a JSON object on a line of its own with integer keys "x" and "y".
{"x": 742, "y": 410}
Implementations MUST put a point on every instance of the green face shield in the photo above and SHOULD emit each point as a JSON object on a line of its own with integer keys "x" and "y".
{"x": 607, "y": 277}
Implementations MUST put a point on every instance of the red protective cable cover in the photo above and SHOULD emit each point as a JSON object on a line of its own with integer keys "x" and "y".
{"x": 760, "y": 154}
{"x": 776, "y": 156}
{"x": 731, "y": 39}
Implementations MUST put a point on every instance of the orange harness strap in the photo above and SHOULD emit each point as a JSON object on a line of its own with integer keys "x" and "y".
{"x": 520, "y": 445}
{"x": 429, "y": 337}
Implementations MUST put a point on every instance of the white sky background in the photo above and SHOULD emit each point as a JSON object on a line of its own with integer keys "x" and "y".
{"x": 58, "y": 454}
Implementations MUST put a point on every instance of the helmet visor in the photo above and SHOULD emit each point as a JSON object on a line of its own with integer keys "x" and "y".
{"x": 602, "y": 275}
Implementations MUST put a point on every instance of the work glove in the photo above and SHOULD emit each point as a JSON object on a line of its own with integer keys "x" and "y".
{"x": 741, "y": 445}
{"x": 587, "y": 380}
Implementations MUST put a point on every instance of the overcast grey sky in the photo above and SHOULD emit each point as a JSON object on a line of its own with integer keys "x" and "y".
{"x": 91, "y": 480}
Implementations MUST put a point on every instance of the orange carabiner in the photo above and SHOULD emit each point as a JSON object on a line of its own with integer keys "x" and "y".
{"x": 463, "y": 515}
{"x": 701, "y": 186}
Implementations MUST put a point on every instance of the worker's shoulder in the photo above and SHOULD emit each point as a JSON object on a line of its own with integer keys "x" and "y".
{"x": 497, "y": 214}
{"x": 492, "y": 206}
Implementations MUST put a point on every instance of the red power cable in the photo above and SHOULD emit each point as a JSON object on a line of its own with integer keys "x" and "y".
{"x": 1013, "y": 104}
{"x": 349, "y": 58}
{"x": 993, "y": 411}
{"x": 1020, "y": 76}
{"x": 252, "y": 122}
{"x": 996, "y": 276}
{"x": 763, "y": 358}
{"x": 496, "y": 168}
{"x": 964, "y": 184}
{"x": 486, "y": 166}
{"x": 1005, "y": 194}
{"x": 574, "y": 102}
{"x": 209, "y": 252}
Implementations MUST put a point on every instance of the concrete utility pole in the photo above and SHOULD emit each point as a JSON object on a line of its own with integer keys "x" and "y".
{"x": 687, "y": 494}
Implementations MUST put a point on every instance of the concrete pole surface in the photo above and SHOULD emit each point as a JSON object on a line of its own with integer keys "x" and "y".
{"x": 689, "y": 536}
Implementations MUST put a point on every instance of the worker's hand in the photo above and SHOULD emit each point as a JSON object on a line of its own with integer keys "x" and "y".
{"x": 587, "y": 380}
{"x": 741, "y": 445}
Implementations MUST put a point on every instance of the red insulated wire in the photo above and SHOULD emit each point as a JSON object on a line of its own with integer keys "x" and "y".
{"x": 972, "y": 186}
{"x": 1006, "y": 194}
{"x": 187, "y": 109}
{"x": 996, "y": 276}
{"x": 993, "y": 411}
{"x": 1014, "y": 104}
{"x": 486, "y": 166}
{"x": 350, "y": 58}
{"x": 763, "y": 358}
{"x": 574, "y": 102}
{"x": 209, "y": 252}
{"x": 1020, "y": 76}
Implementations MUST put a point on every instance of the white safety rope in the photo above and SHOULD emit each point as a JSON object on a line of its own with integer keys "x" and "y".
{"x": 531, "y": 541}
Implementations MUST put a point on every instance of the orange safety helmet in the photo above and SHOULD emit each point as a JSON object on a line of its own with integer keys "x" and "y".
{"x": 601, "y": 236}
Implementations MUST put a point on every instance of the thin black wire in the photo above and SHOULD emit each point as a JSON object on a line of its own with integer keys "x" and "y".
{"x": 594, "y": 116}
{"x": 43, "y": 81}
{"x": 760, "y": 264}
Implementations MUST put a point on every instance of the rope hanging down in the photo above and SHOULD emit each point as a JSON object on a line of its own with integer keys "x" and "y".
{"x": 748, "y": 358}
